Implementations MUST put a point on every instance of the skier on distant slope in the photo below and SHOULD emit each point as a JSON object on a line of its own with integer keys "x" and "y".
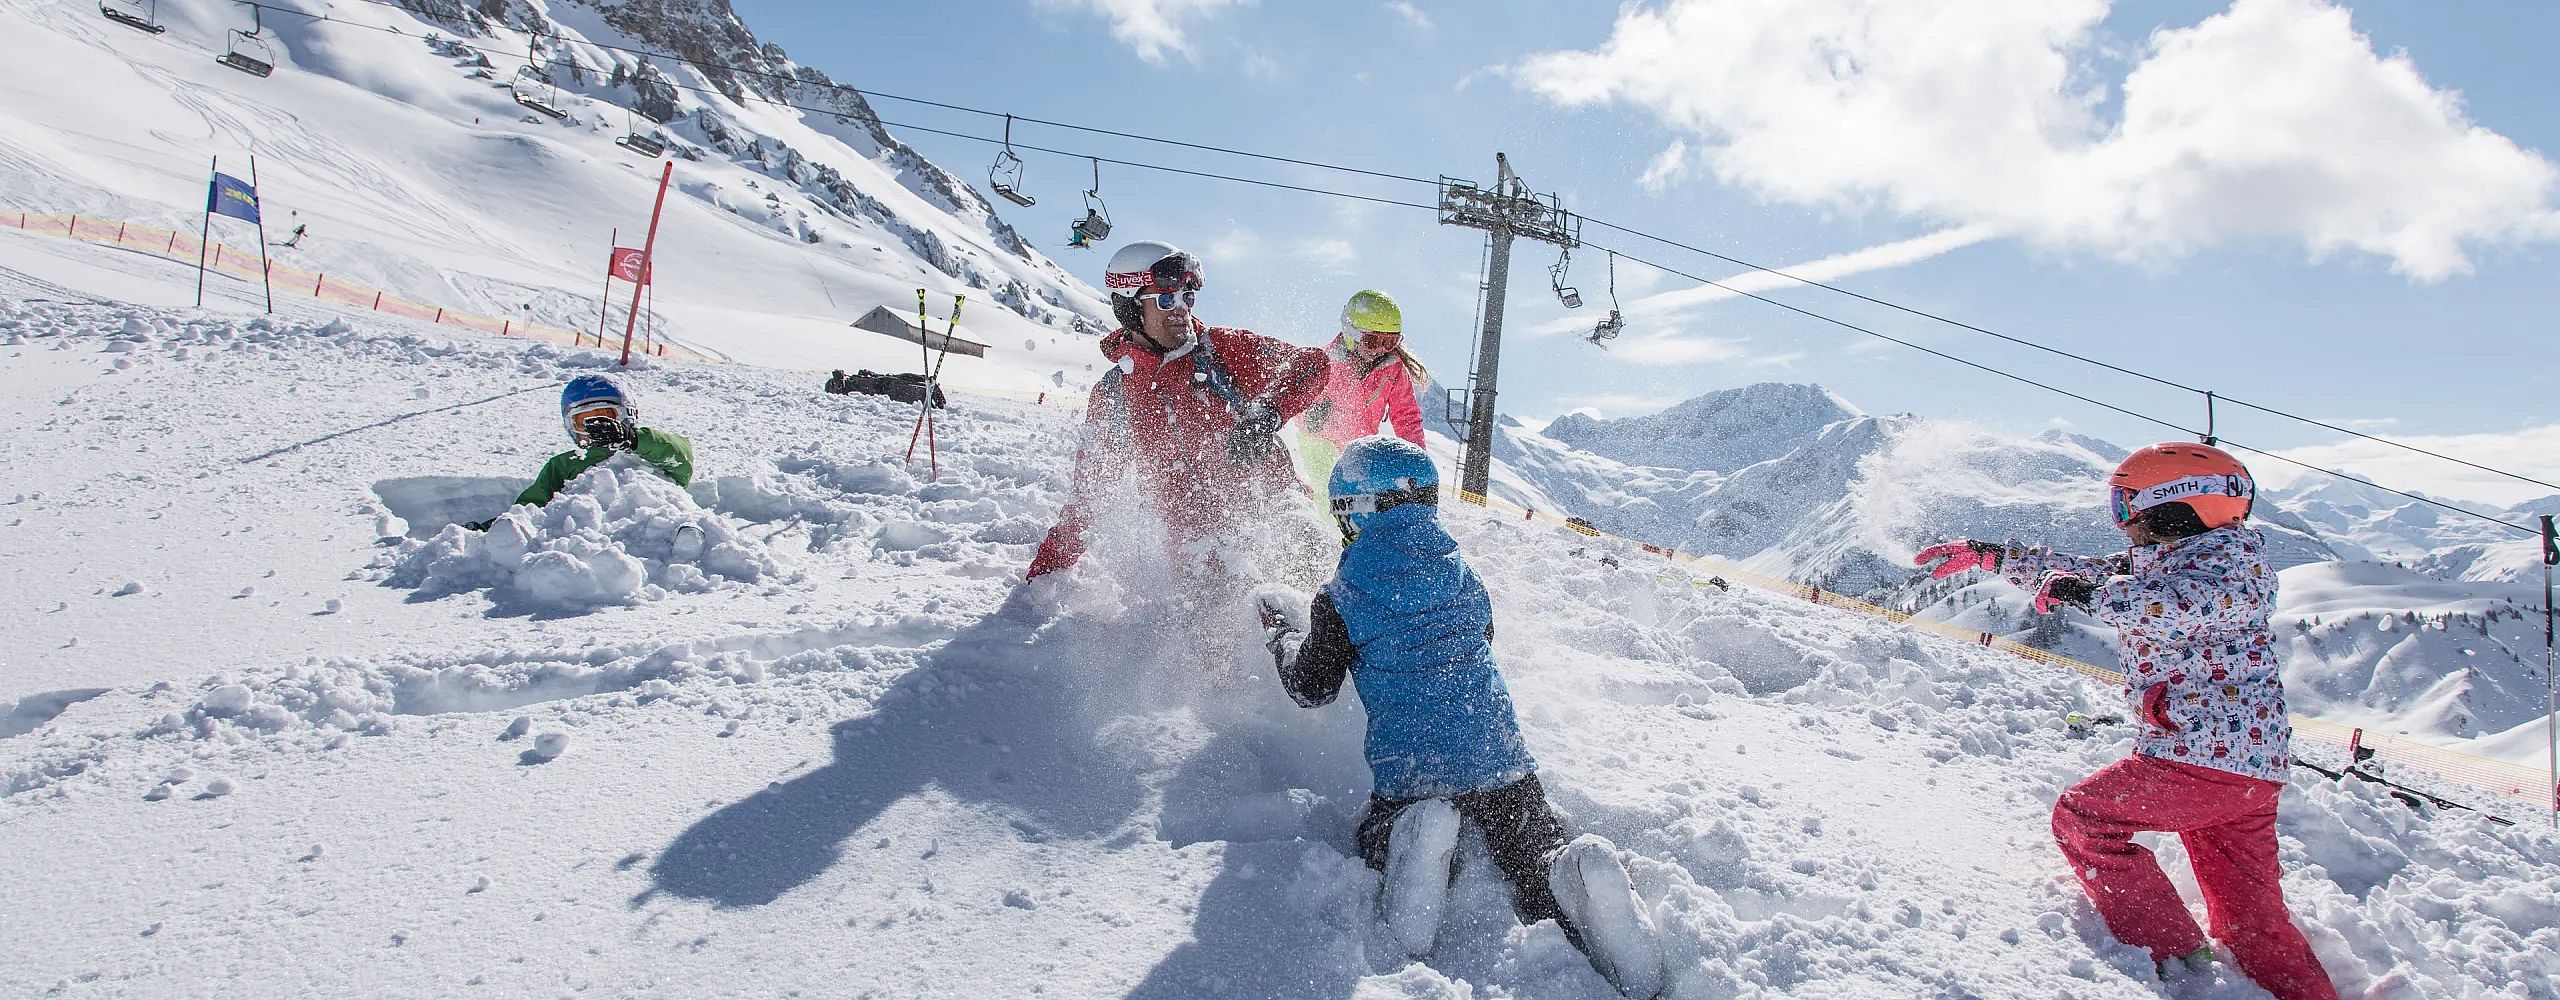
{"x": 603, "y": 421}
{"x": 1370, "y": 378}
{"x": 1412, "y": 627}
{"x": 1194, "y": 410}
{"x": 2189, "y": 603}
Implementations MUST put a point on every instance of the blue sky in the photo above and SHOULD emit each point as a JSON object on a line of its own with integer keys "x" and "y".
{"x": 2346, "y": 211}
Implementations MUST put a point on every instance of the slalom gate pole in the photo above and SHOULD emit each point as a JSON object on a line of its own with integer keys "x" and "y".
{"x": 266, "y": 272}
{"x": 604, "y": 313}
{"x": 2550, "y": 684}
{"x": 648, "y": 261}
{"x": 205, "y": 240}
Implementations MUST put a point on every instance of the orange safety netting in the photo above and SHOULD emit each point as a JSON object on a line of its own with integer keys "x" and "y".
{"x": 2498, "y": 777}
{"x": 287, "y": 279}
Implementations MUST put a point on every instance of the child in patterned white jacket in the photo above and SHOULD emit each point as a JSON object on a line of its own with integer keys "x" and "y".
{"x": 2189, "y": 603}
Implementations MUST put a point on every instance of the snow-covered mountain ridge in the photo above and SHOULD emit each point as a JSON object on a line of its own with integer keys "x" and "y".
{"x": 1794, "y": 481}
{"x": 394, "y": 133}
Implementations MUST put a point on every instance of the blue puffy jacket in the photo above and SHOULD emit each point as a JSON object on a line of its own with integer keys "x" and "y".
{"x": 1413, "y": 627}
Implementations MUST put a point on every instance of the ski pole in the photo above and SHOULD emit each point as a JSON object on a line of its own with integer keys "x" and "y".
{"x": 2550, "y": 684}
{"x": 924, "y": 342}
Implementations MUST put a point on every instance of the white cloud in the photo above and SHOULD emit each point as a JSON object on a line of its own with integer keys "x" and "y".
{"x": 2274, "y": 120}
{"x": 1669, "y": 306}
{"x": 1259, "y": 66}
{"x": 2532, "y": 451}
{"x": 1668, "y": 167}
{"x": 1412, "y": 15}
{"x": 1328, "y": 253}
{"x": 1151, "y": 28}
{"x": 1235, "y": 246}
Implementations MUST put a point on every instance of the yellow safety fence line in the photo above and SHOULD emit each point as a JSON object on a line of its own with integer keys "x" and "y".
{"x": 287, "y": 279}
{"x": 2497, "y": 777}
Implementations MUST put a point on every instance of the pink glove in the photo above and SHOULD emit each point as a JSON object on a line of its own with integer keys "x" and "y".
{"x": 2060, "y": 588}
{"x": 1958, "y": 556}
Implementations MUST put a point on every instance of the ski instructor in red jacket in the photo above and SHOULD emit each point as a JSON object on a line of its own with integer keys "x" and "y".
{"x": 1192, "y": 410}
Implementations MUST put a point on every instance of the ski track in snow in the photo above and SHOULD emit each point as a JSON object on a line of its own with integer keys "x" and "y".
{"x": 848, "y": 766}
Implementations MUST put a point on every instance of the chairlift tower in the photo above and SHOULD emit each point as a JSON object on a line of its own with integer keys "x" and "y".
{"x": 1507, "y": 209}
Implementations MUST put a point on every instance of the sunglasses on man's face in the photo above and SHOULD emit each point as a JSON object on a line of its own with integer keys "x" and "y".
{"x": 1185, "y": 298}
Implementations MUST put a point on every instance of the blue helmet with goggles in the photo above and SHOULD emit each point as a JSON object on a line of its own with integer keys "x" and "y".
{"x": 597, "y": 410}
{"x": 1378, "y": 474}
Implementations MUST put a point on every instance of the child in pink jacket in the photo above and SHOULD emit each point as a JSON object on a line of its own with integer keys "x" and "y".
{"x": 2189, "y": 603}
{"x": 1371, "y": 379}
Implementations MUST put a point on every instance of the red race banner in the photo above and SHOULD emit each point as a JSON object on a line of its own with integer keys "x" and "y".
{"x": 630, "y": 265}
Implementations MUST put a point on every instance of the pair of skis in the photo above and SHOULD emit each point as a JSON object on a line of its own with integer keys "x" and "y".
{"x": 1609, "y": 921}
{"x": 932, "y": 381}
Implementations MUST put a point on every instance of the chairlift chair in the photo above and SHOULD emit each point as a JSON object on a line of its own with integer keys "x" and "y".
{"x": 646, "y": 145}
{"x": 1609, "y": 329}
{"x": 524, "y": 96}
{"x": 549, "y": 103}
{"x": 1569, "y": 295}
{"x": 1006, "y": 176}
{"x": 1096, "y": 224}
{"x": 253, "y": 40}
{"x": 134, "y": 14}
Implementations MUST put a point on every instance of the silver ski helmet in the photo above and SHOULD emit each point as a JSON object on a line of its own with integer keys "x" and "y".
{"x": 1149, "y": 268}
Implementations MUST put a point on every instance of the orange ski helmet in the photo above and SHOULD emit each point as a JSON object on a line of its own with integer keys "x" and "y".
{"x": 2205, "y": 478}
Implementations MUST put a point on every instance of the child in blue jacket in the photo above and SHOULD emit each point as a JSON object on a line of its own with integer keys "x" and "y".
{"x": 1412, "y": 628}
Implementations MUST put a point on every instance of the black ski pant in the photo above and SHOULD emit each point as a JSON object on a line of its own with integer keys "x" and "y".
{"x": 1521, "y": 831}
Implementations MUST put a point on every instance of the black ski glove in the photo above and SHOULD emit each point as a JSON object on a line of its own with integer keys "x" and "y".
{"x": 1257, "y": 431}
{"x": 2061, "y": 588}
{"x": 609, "y": 433}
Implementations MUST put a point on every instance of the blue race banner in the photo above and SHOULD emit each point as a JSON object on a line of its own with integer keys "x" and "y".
{"x": 233, "y": 197}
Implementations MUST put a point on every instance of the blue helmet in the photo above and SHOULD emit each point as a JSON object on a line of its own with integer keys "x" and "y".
{"x": 1379, "y": 473}
{"x": 591, "y": 396}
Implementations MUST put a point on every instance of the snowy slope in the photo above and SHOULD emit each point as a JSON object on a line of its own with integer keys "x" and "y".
{"x": 2374, "y": 644}
{"x": 835, "y": 759}
{"x": 1845, "y": 503}
{"x": 405, "y": 152}
{"x": 2393, "y": 528}
{"x": 1720, "y": 431}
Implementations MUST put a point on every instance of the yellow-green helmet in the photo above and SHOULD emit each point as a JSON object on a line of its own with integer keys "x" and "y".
{"x": 1372, "y": 310}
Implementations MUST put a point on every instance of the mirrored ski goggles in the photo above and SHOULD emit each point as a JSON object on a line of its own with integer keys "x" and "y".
{"x": 2127, "y": 503}
{"x": 584, "y": 412}
{"x": 1374, "y": 341}
{"x": 1185, "y": 298}
{"x": 1371, "y": 503}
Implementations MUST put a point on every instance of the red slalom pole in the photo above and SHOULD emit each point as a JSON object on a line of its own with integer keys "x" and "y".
{"x": 648, "y": 262}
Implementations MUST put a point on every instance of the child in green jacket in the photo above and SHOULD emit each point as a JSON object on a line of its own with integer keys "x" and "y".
{"x": 602, "y": 421}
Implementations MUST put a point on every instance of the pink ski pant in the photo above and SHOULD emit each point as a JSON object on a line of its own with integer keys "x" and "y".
{"x": 2228, "y": 823}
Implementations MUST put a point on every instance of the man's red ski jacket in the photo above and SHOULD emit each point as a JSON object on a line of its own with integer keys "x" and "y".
{"x": 1165, "y": 417}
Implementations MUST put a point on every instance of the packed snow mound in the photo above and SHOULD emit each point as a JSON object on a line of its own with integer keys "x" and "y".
{"x": 616, "y": 535}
